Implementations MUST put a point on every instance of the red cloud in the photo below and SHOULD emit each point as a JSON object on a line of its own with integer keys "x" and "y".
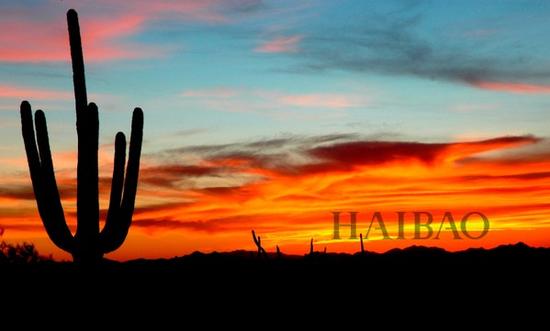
{"x": 374, "y": 152}
{"x": 345, "y": 156}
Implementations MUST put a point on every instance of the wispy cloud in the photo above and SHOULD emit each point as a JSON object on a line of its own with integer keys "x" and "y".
{"x": 392, "y": 43}
{"x": 38, "y": 41}
{"x": 39, "y": 34}
{"x": 290, "y": 44}
{"x": 216, "y": 92}
{"x": 519, "y": 88}
{"x": 303, "y": 156}
{"x": 479, "y": 33}
{"x": 473, "y": 107}
{"x": 318, "y": 100}
{"x": 20, "y": 92}
{"x": 206, "y": 11}
{"x": 244, "y": 99}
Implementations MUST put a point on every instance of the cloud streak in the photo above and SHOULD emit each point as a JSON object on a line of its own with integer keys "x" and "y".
{"x": 107, "y": 28}
{"x": 257, "y": 100}
{"x": 392, "y": 44}
{"x": 286, "y": 186}
{"x": 519, "y": 88}
{"x": 288, "y": 44}
{"x": 20, "y": 92}
{"x": 37, "y": 41}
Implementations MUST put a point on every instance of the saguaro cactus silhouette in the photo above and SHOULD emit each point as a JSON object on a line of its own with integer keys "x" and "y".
{"x": 89, "y": 244}
{"x": 258, "y": 242}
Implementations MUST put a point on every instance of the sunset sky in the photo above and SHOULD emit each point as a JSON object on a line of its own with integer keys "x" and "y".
{"x": 269, "y": 115}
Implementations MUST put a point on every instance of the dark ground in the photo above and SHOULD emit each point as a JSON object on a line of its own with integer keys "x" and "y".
{"x": 412, "y": 270}
{"x": 208, "y": 288}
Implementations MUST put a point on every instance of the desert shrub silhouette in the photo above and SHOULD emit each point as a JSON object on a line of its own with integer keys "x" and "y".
{"x": 89, "y": 244}
{"x": 19, "y": 254}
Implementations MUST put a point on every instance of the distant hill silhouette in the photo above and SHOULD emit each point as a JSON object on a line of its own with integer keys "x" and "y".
{"x": 241, "y": 262}
{"x": 416, "y": 277}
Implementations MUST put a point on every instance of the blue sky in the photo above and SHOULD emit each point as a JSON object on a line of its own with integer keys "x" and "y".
{"x": 266, "y": 114}
{"x": 214, "y": 71}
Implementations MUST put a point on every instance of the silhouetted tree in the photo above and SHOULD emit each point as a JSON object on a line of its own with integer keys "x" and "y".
{"x": 89, "y": 244}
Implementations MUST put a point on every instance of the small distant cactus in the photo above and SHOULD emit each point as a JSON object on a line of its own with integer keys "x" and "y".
{"x": 258, "y": 242}
{"x": 311, "y": 251}
{"x": 362, "y": 246}
{"x": 89, "y": 244}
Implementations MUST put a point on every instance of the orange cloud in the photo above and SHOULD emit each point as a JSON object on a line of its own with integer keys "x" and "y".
{"x": 288, "y": 44}
{"x": 519, "y": 88}
{"x": 333, "y": 101}
{"x": 285, "y": 188}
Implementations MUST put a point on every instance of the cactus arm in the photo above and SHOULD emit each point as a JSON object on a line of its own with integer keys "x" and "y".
{"x": 118, "y": 175}
{"x": 116, "y": 192}
{"x": 31, "y": 149}
{"x": 43, "y": 178}
{"x": 119, "y": 230}
{"x": 132, "y": 170}
{"x": 56, "y": 220}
